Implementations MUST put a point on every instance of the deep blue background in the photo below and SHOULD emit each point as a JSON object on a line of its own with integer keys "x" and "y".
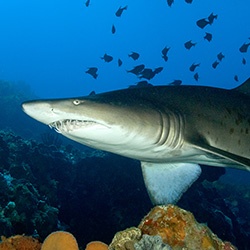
{"x": 49, "y": 44}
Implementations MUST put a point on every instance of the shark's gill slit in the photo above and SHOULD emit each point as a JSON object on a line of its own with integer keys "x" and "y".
{"x": 164, "y": 130}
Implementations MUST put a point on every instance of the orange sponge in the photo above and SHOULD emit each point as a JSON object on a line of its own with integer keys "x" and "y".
{"x": 60, "y": 240}
{"x": 19, "y": 242}
{"x": 96, "y": 245}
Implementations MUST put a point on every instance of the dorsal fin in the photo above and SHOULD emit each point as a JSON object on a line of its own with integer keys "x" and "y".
{"x": 244, "y": 87}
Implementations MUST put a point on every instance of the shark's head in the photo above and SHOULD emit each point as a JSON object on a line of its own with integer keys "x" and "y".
{"x": 112, "y": 121}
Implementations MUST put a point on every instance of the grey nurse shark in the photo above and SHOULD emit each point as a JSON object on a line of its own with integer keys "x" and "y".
{"x": 169, "y": 129}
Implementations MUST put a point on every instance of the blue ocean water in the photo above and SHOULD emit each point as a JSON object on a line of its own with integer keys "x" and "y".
{"x": 50, "y": 44}
{"x": 46, "y": 47}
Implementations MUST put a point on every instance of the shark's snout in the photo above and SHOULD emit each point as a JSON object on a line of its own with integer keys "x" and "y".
{"x": 39, "y": 110}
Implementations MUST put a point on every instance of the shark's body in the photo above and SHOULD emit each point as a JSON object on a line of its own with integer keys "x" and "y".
{"x": 170, "y": 129}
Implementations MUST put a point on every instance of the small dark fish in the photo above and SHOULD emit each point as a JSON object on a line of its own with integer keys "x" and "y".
{"x": 188, "y": 1}
{"x": 196, "y": 77}
{"x": 165, "y": 58}
{"x": 244, "y": 47}
{"x": 120, "y": 11}
{"x": 113, "y": 30}
{"x": 141, "y": 84}
{"x": 208, "y": 36}
{"x": 92, "y": 71}
{"x": 220, "y": 56}
{"x": 211, "y": 18}
{"x": 119, "y": 62}
{"x": 244, "y": 62}
{"x": 107, "y": 58}
{"x": 134, "y": 55}
{"x": 137, "y": 69}
{"x": 165, "y": 51}
{"x": 236, "y": 78}
{"x": 147, "y": 74}
{"x": 202, "y": 23}
{"x": 215, "y": 64}
{"x": 176, "y": 83}
{"x": 194, "y": 66}
{"x": 188, "y": 45}
{"x": 170, "y": 2}
{"x": 158, "y": 70}
{"x": 87, "y": 3}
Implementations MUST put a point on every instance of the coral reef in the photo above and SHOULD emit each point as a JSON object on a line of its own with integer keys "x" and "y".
{"x": 163, "y": 228}
{"x": 180, "y": 230}
{"x": 47, "y": 187}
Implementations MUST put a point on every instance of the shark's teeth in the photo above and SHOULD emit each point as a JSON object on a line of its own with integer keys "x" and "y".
{"x": 69, "y": 125}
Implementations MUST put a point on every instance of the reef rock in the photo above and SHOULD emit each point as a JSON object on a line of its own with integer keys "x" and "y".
{"x": 125, "y": 240}
{"x": 179, "y": 229}
{"x": 149, "y": 242}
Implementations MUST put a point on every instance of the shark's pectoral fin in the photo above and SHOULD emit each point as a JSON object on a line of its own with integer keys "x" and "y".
{"x": 166, "y": 182}
{"x": 240, "y": 162}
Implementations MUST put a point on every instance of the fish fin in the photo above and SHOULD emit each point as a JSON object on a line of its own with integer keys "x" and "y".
{"x": 244, "y": 87}
{"x": 241, "y": 162}
{"x": 166, "y": 182}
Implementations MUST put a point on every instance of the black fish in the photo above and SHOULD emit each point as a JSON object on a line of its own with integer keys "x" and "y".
{"x": 215, "y": 64}
{"x": 141, "y": 84}
{"x": 170, "y": 2}
{"x": 120, "y": 11}
{"x": 147, "y": 74}
{"x": 188, "y": 1}
{"x": 158, "y": 70}
{"x": 165, "y": 58}
{"x": 244, "y": 47}
{"x": 196, "y": 76}
{"x": 244, "y": 62}
{"x": 176, "y": 83}
{"x": 87, "y": 3}
{"x": 211, "y": 18}
{"x": 134, "y": 55}
{"x": 119, "y": 62}
{"x": 113, "y": 29}
{"x": 208, "y": 36}
{"x": 92, "y": 71}
{"x": 165, "y": 51}
{"x": 137, "y": 69}
{"x": 236, "y": 78}
{"x": 220, "y": 56}
{"x": 194, "y": 66}
{"x": 189, "y": 44}
{"x": 202, "y": 23}
{"x": 107, "y": 58}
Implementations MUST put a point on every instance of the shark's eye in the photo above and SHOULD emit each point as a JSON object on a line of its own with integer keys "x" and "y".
{"x": 76, "y": 102}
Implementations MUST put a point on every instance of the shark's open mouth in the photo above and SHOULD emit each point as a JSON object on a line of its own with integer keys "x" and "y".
{"x": 70, "y": 125}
